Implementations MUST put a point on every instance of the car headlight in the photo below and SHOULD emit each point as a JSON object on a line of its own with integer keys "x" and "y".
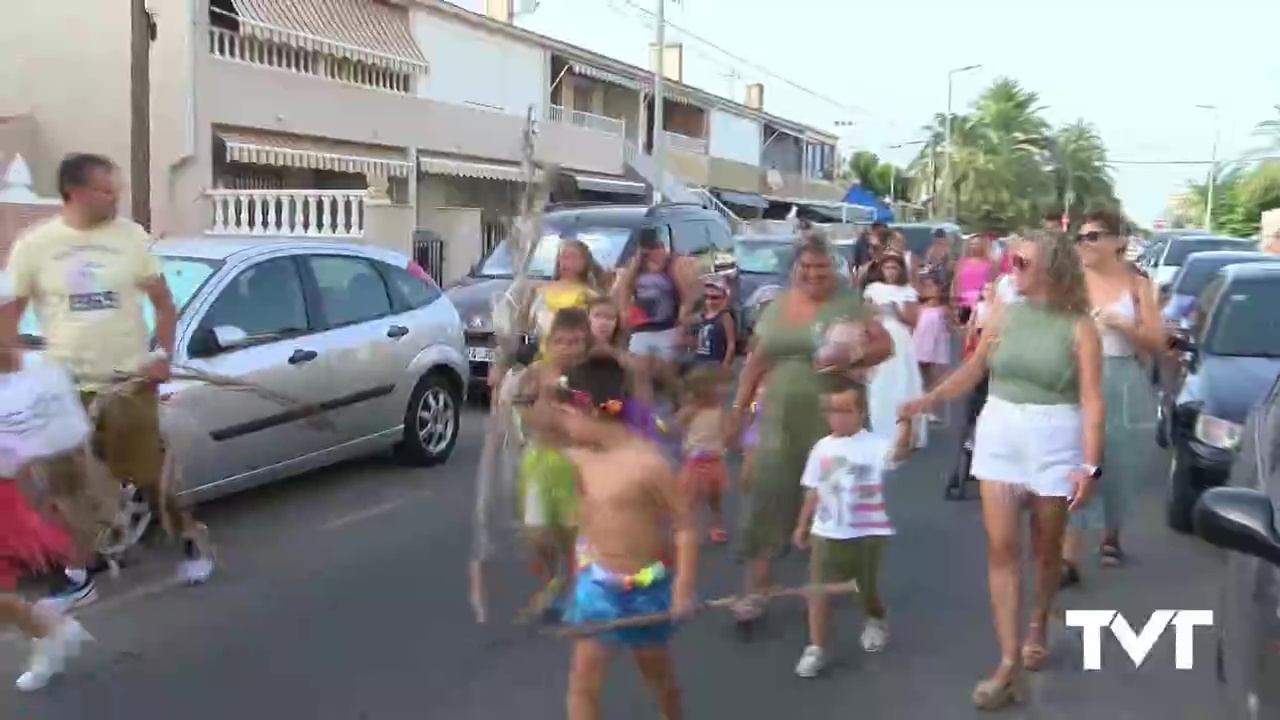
{"x": 479, "y": 322}
{"x": 1217, "y": 432}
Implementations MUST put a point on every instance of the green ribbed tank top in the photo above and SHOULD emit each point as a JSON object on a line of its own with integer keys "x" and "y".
{"x": 1034, "y": 359}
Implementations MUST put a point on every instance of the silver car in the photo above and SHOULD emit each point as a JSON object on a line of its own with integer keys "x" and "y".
{"x": 353, "y": 333}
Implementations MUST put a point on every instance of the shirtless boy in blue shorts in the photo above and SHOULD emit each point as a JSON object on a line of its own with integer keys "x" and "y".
{"x": 630, "y": 503}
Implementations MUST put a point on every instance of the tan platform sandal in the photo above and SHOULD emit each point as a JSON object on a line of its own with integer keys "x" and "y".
{"x": 992, "y": 694}
{"x": 1034, "y": 653}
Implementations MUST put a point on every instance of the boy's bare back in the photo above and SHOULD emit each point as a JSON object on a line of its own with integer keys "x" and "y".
{"x": 629, "y": 504}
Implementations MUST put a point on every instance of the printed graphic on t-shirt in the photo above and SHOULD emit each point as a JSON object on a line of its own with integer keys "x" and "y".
{"x": 86, "y": 289}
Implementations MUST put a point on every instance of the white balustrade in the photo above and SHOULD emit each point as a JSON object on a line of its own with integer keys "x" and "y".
{"x": 230, "y": 45}
{"x": 591, "y": 121}
{"x": 711, "y": 202}
{"x": 676, "y": 141}
{"x": 296, "y": 213}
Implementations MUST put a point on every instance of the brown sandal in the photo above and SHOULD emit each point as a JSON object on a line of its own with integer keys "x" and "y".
{"x": 1034, "y": 653}
{"x": 992, "y": 694}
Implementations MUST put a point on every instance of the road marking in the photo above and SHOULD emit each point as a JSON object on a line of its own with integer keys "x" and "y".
{"x": 345, "y": 520}
{"x": 139, "y": 593}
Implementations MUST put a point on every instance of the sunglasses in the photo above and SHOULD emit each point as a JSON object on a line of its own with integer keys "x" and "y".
{"x": 1090, "y": 237}
{"x": 1020, "y": 263}
{"x": 714, "y": 297}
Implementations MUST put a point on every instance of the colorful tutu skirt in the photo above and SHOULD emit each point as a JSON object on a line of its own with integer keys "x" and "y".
{"x": 29, "y": 542}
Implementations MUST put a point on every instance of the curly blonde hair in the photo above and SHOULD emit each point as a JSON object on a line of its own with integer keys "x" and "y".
{"x": 1065, "y": 290}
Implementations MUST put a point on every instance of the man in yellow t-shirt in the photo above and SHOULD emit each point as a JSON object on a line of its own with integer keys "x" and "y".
{"x": 86, "y": 274}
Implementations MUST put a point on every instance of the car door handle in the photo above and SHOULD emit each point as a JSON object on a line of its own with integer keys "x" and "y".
{"x": 396, "y": 332}
{"x": 302, "y": 356}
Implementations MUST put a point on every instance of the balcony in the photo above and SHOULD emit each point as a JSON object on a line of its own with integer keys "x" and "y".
{"x": 285, "y": 213}
{"x": 229, "y": 45}
{"x": 590, "y": 121}
{"x": 684, "y": 143}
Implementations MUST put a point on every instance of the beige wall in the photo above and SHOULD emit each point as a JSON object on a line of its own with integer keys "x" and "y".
{"x": 622, "y": 104}
{"x": 798, "y": 188}
{"x": 18, "y": 136}
{"x": 732, "y": 175}
{"x": 254, "y": 97}
{"x": 67, "y": 64}
{"x": 180, "y": 172}
{"x": 461, "y": 230}
{"x": 689, "y": 167}
{"x": 388, "y": 225}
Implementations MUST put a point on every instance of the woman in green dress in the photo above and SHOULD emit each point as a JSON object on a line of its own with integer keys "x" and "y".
{"x": 782, "y": 357}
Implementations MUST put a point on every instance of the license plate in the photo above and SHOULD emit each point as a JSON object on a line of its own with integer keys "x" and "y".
{"x": 481, "y": 354}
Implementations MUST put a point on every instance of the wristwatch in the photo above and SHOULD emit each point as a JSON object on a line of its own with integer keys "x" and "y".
{"x": 1093, "y": 471}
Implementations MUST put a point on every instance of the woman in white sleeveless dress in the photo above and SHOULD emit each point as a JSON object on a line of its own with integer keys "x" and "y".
{"x": 897, "y": 379}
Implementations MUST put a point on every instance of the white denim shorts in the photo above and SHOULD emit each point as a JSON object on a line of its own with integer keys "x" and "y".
{"x": 1035, "y": 446}
{"x": 661, "y": 343}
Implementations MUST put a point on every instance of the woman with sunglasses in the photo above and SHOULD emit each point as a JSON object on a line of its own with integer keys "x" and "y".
{"x": 1129, "y": 322}
{"x": 1038, "y": 443}
{"x": 783, "y": 357}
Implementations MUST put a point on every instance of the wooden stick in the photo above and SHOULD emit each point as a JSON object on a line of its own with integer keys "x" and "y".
{"x": 578, "y": 631}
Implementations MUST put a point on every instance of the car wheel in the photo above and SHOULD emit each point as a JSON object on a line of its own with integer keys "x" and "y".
{"x": 431, "y": 421}
{"x": 1181, "y": 496}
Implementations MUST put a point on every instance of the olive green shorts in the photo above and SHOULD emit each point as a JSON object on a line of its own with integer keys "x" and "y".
{"x": 839, "y": 561}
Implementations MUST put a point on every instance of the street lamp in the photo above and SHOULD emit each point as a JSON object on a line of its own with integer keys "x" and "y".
{"x": 951, "y": 74}
{"x": 893, "y": 173}
{"x": 1213, "y": 168}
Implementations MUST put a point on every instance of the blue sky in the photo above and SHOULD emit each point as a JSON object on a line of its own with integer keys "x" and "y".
{"x": 1135, "y": 68}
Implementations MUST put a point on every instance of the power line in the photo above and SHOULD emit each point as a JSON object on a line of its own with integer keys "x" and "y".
{"x": 1247, "y": 158}
{"x": 754, "y": 66}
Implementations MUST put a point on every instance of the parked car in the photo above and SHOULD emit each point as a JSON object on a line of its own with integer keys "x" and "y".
{"x": 1156, "y": 245}
{"x": 1196, "y": 273}
{"x": 763, "y": 267}
{"x": 353, "y": 333}
{"x": 611, "y": 231}
{"x": 1232, "y": 356}
{"x": 1164, "y": 268}
{"x": 1241, "y": 518}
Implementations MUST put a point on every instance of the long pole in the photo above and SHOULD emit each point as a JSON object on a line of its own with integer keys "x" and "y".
{"x": 946, "y": 173}
{"x": 140, "y": 113}
{"x": 659, "y": 99}
{"x": 1213, "y": 177}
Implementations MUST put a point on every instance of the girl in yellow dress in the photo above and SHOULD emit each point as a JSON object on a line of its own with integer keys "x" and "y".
{"x": 576, "y": 280}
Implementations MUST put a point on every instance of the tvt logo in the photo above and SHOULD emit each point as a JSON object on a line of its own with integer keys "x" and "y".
{"x": 1138, "y": 645}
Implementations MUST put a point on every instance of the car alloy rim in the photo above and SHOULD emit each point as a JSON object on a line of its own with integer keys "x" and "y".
{"x": 132, "y": 518}
{"x": 435, "y": 420}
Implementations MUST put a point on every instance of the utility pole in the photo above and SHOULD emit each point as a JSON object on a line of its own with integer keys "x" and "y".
{"x": 142, "y": 33}
{"x": 1213, "y": 169}
{"x": 659, "y": 99}
{"x": 948, "y": 207}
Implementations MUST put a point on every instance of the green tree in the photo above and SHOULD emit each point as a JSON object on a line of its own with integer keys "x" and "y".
{"x": 1008, "y": 162}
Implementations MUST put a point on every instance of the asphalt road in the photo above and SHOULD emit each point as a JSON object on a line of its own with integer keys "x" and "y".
{"x": 341, "y": 596}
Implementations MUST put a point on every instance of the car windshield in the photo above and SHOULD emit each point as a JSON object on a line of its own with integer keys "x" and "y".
{"x": 1245, "y": 322}
{"x": 1197, "y": 273}
{"x": 1182, "y": 248}
{"x": 185, "y": 276}
{"x": 606, "y": 244}
{"x": 774, "y": 257}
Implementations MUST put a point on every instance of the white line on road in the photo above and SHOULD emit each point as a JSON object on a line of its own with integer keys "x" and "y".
{"x": 374, "y": 511}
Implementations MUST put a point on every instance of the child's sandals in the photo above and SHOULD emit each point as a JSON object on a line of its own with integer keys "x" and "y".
{"x": 992, "y": 694}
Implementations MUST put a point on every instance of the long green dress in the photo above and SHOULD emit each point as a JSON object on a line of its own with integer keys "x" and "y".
{"x": 790, "y": 422}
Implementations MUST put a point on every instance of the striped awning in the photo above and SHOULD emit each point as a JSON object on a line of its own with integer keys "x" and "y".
{"x": 314, "y": 153}
{"x": 373, "y": 32}
{"x": 608, "y": 184}
{"x": 645, "y": 85}
{"x": 465, "y": 168}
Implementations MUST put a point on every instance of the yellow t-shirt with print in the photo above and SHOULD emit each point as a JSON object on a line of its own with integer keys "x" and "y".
{"x": 85, "y": 288}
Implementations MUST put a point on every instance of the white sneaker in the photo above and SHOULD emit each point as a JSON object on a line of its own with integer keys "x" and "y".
{"x": 75, "y": 595}
{"x": 875, "y": 635}
{"x": 49, "y": 654}
{"x": 811, "y": 662}
{"x": 197, "y": 565}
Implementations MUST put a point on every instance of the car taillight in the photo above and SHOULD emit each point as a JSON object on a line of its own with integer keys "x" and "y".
{"x": 419, "y": 272}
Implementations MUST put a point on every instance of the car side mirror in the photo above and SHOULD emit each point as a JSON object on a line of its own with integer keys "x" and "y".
{"x": 1238, "y": 519}
{"x": 229, "y": 337}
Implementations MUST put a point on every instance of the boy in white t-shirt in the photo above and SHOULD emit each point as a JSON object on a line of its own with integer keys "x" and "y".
{"x": 844, "y": 519}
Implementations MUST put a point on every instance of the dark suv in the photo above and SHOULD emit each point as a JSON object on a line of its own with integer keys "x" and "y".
{"x": 611, "y": 231}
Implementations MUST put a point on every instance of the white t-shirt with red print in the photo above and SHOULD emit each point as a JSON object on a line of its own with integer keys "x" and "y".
{"x": 848, "y": 473}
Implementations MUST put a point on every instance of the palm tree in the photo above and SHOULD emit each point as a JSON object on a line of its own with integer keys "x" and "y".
{"x": 1269, "y": 130}
{"x": 1081, "y": 176}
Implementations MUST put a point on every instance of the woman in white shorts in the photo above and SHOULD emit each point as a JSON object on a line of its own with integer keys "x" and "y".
{"x": 1038, "y": 442}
